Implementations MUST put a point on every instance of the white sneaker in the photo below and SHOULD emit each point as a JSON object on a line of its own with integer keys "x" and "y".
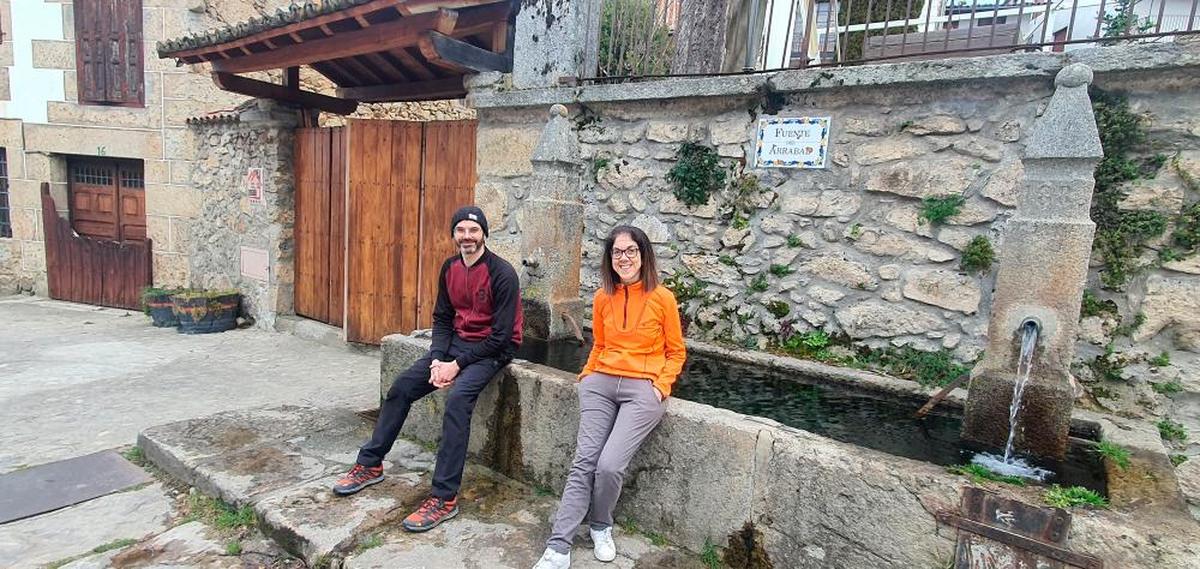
{"x": 553, "y": 560}
{"x": 605, "y": 549}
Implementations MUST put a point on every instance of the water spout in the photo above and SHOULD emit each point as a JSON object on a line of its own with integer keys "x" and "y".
{"x": 1010, "y": 464}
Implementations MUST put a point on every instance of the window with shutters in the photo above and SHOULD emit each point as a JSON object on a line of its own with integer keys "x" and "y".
{"x": 108, "y": 52}
{"x": 5, "y": 217}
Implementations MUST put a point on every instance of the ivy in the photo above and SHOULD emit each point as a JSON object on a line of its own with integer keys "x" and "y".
{"x": 1120, "y": 235}
{"x": 739, "y": 207}
{"x": 684, "y": 285}
{"x": 697, "y": 174}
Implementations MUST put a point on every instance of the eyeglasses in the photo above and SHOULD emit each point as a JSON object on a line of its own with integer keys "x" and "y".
{"x": 631, "y": 252}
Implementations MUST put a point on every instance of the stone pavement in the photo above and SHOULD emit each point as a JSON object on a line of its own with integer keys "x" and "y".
{"x": 76, "y": 379}
{"x": 283, "y": 460}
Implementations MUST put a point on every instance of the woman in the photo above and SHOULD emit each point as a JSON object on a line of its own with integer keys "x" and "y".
{"x": 637, "y": 353}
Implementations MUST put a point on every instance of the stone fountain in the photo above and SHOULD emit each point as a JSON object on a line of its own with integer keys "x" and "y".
{"x": 1043, "y": 268}
{"x": 551, "y": 224}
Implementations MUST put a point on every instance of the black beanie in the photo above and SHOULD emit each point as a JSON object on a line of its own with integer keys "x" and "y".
{"x": 469, "y": 213}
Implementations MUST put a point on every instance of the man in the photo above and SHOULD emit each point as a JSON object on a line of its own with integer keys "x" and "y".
{"x": 476, "y": 330}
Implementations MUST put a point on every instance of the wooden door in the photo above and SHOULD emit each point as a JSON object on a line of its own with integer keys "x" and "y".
{"x": 405, "y": 181}
{"x": 107, "y": 199}
{"x": 320, "y": 170}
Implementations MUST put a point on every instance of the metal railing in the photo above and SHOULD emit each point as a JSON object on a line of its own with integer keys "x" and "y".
{"x": 646, "y": 38}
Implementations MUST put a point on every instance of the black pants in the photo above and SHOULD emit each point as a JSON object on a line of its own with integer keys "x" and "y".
{"x": 412, "y": 385}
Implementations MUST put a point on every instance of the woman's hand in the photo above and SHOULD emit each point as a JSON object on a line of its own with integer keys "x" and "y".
{"x": 658, "y": 394}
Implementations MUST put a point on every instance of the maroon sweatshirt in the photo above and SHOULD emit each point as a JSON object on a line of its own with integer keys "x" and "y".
{"x": 480, "y": 304}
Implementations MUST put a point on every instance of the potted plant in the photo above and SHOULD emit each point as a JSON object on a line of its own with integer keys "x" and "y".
{"x": 156, "y": 303}
{"x": 206, "y": 311}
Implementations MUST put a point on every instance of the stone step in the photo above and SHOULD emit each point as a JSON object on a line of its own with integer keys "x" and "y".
{"x": 320, "y": 333}
{"x": 283, "y": 460}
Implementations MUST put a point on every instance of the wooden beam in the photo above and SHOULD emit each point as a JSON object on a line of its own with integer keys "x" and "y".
{"x": 388, "y": 66}
{"x": 459, "y": 56}
{"x": 406, "y": 7}
{"x": 362, "y": 21}
{"x": 262, "y": 89}
{"x": 411, "y": 64}
{"x": 291, "y": 78}
{"x": 450, "y": 88}
{"x": 358, "y": 69}
{"x": 382, "y": 37}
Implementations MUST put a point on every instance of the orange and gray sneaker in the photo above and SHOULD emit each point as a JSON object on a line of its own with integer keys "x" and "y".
{"x": 358, "y": 478}
{"x": 432, "y": 512}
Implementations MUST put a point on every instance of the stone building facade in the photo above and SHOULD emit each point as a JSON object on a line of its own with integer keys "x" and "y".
{"x": 171, "y": 151}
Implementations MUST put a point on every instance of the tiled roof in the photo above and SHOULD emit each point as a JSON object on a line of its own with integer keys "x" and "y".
{"x": 282, "y": 17}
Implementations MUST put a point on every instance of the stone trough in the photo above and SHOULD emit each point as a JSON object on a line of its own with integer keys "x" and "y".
{"x": 709, "y": 475}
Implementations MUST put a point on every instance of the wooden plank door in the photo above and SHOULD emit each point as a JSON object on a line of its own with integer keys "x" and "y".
{"x": 449, "y": 183}
{"x": 320, "y": 223}
{"x": 107, "y": 199}
{"x": 405, "y": 181}
{"x": 384, "y": 173}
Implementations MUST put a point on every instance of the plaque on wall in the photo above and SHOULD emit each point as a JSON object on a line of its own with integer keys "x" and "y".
{"x": 792, "y": 142}
{"x": 254, "y": 184}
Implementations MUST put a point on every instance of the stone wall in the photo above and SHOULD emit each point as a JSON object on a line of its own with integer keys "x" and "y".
{"x": 230, "y": 225}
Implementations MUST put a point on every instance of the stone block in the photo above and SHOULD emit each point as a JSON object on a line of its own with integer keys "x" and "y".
{"x": 1163, "y": 193}
{"x": 26, "y": 193}
{"x": 942, "y": 288}
{"x": 148, "y": 117}
{"x": 662, "y": 131}
{"x": 5, "y": 85}
{"x": 888, "y": 150}
{"x": 1171, "y": 304}
{"x": 171, "y": 270}
{"x": 976, "y": 147}
{"x": 33, "y": 256}
{"x": 871, "y": 318}
{"x": 26, "y": 223}
{"x": 53, "y": 54}
{"x": 179, "y": 143}
{"x": 88, "y": 141}
{"x": 158, "y": 230}
{"x": 180, "y": 172}
{"x": 152, "y": 24}
{"x": 708, "y": 268}
{"x": 1003, "y": 184}
{"x": 655, "y": 229}
{"x": 838, "y": 269}
{"x": 166, "y": 200}
{"x": 12, "y": 137}
{"x": 505, "y": 151}
{"x": 937, "y": 124}
{"x": 863, "y": 126}
{"x": 924, "y": 179}
{"x": 41, "y": 167}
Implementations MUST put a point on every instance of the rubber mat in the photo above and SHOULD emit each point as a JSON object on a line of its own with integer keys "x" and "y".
{"x": 48, "y": 487}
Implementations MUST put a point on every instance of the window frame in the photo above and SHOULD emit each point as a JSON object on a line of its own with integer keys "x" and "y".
{"x": 6, "y": 231}
{"x": 86, "y": 65}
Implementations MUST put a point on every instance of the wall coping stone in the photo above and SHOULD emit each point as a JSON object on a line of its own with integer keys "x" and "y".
{"x": 1102, "y": 60}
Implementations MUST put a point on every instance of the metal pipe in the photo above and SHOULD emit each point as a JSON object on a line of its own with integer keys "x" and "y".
{"x": 748, "y": 64}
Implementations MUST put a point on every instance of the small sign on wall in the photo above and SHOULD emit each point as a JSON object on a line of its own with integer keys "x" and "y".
{"x": 795, "y": 142}
{"x": 254, "y": 184}
{"x": 255, "y": 264}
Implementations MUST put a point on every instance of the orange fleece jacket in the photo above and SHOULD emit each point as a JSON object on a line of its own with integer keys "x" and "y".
{"x": 636, "y": 334}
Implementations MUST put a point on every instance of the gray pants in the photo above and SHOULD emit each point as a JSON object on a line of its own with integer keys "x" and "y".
{"x": 615, "y": 416}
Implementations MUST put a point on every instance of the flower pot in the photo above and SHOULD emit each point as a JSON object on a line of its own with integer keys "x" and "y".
{"x": 161, "y": 310}
{"x": 206, "y": 312}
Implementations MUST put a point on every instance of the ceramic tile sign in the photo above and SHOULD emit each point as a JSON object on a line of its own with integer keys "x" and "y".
{"x": 792, "y": 142}
{"x": 255, "y": 264}
{"x": 254, "y": 184}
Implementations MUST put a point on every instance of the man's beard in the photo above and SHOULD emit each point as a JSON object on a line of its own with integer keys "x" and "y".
{"x": 468, "y": 247}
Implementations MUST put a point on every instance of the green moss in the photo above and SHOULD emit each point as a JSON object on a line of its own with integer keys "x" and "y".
{"x": 794, "y": 241}
{"x": 1167, "y": 388}
{"x": 233, "y": 548}
{"x": 778, "y": 308}
{"x": 697, "y": 174}
{"x": 927, "y": 368}
{"x": 759, "y": 283}
{"x": 1118, "y": 454}
{"x": 1091, "y": 305}
{"x": 1171, "y": 431}
{"x": 685, "y": 286}
{"x": 1178, "y": 459}
{"x": 1060, "y": 497}
{"x": 727, "y": 260}
{"x": 978, "y": 255}
{"x": 1161, "y": 360}
{"x": 781, "y": 270}
{"x": 219, "y": 514}
{"x": 936, "y": 209}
